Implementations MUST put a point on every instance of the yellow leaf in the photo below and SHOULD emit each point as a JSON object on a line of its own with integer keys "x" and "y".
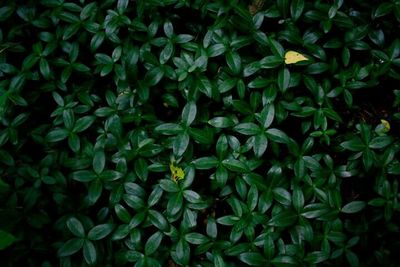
{"x": 292, "y": 57}
{"x": 386, "y": 124}
{"x": 176, "y": 172}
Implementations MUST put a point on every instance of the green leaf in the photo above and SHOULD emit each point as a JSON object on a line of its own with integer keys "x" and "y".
{"x": 298, "y": 199}
{"x": 269, "y": 247}
{"x": 76, "y": 227}
{"x": 70, "y": 247}
{"x": 234, "y": 61}
{"x": 383, "y": 9}
{"x": 5, "y": 13}
{"x": 153, "y": 243}
{"x": 154, "y": 76}
{"x": 155, "y": 196}
{"x": 353, "y": 207}
{"x": 284, "y": 261}
{"x": 283, "y": 79}
{"x": 141, "y": 169}
{"x": 368, "y": 158}
{"x": 211, "y": 228}
{"x": 181, "y": 143}
{"x": 282, "y": 196}
{"x": 216, "y": 50}
{"x": 122, "y": 213}
{"x": 99, "y": 161}
{"x": 235, "y": 165}
{"x": 45, "y": 68}
{"x": 100, "y": 231}
{"x": 221, "y": 122}
{"x": 57, "y": 135}
{"x": 247, "y": 128}
{"x": 110, "y": 175}
{"x": 267, "y": 116}
{"x": 206, "y": 163}
{"x": 251, "y": 68}
{"x": 121, "y": 232}
{"x": 169, "y": 186}
{"x": 218, "y": 261}
{"x": 183, "y": 252}
{"x": 271, "y": 62}
{"x": 316, "y": 257}
{"x": 296, "y": 9}
{"x": 95, "y": 190}
{"x": 260, "y": 145}
{"x": 169, "y": 128}
{"x": 84, "y": 176}
{"x": 227, "y": 85}
{"x": 175, "y": 204}
{"x": 134, "y": 201}
{"x": 317, "y": 68}
{"x": 189, "y": 113}
{"x": 83, "y": 123}
{"x": 253, "y": 259}
{"x": 380, "y": 142}
{"x": 353, "y": 145}
{"x": 277, "y": 136}
{"x": 315, "y": 210}
{"x": 252, "y": 198}
{"x": 284, "y": 218}
{"x": 191, "y": 196}
{"x": 89, "y": 252}
{"x": 196, "y": 238}
{"x": 6, "y": 158}
{"x": 6, "y": 239}
{"x": 158, "y": 220}
{"x": 228, "y": 220}
{"x": 352, "y": 258}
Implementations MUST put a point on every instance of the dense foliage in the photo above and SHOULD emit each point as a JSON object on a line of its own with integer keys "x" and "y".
{"x": 180, "y": 133}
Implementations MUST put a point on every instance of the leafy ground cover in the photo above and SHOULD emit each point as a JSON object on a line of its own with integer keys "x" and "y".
{"x": 199, "y": 133}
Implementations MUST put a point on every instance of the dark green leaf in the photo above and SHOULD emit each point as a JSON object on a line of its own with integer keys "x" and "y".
{"x": 89, "y": 252}
{"x": 283, "y": 79}
{"x": 353, "y": 207}
{"x": 70, "y": 247}
{"x": 316, "y": 257}
{"x": 76, "y": 227}
{"x": 100, "y": 231}
{"x": 83, "y": 123}
{"x": 122, "y": 213}
{"x": 99, "y": 161}
{"x": 196, "y": 238}
{"x": 234, "y": 62}
{"x": 206, "y": 163}
{"x": 84, "y": 176}
{"x": 284, "y": 218}
{"x": 247, "y": 128}
{"x": 6, "y": 239}
{"x": 95, "y": 190}
{"x": 253, "y": 258}
{"x": 221, "y": 122}
{"x": 235, "y": 165}
{"x": 296, "y": 8}
{"x": 158, "y": 220}
{"x": 153, "y": 243}
{"x": 57, "y": 135}
{"x": 277, "y": 135}
{"x": 282, "y": 196}
{"x": 181, "y": 143}
{"x": 189, "y": 113}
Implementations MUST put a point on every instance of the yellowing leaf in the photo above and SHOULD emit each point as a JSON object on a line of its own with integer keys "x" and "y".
{"x": 386, "y": 124}
{"x": 176, "y": 172}
{"x": 292, "y": 57}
